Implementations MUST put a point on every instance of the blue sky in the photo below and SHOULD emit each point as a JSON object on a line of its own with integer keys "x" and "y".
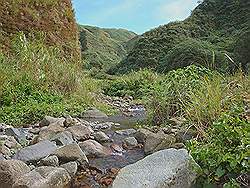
{"x": 135, "y": 15}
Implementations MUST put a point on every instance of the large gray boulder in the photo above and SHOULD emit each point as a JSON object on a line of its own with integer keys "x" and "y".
{"x": 71, "y": 152}
{"x": 47, "y": 120}
{"x": 49, "y": 132}
{"x": 44, "y": 177}
{"x": 10, "y": 170}
{"x": 35, "y": 152}
{"x": 169, "y": 168}
{"x": 71, "y": 168}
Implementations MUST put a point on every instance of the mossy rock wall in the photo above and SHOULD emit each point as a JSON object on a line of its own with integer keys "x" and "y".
{"x": 54, "y": 18}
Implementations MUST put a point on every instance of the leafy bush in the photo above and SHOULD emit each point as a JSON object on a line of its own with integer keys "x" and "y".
{"x": 136, "y": 84}
{"x": 223, "y": 155}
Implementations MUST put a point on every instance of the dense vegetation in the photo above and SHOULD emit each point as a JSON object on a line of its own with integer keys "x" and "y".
{"x": 53, "y": 17}
{"x": 211, "y": 31}
{"x": 36, "y": 81}
{"x": 103, "y": 48}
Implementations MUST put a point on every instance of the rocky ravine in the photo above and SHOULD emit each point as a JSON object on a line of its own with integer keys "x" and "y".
{"x": 71, "y": 152}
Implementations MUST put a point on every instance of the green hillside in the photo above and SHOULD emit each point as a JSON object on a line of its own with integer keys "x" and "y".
{"x": 103, "y": 48}
{"x": 212, "y": 30}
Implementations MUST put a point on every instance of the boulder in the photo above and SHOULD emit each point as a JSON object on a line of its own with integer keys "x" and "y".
{"x": 130, "y": 142}
{"x": 141, "y": 135}
{"x": 101, "y": 137}
{"x": 47, "y": 120}
{"x": 158, "y": 141}
{"x": 71, "y": 152}
{"x": 10, "y": 170}
{"x": 93, "y": 148}
{"x": 80, "y": 132}
{"x": 44, "y": 177}
{"x": 169, "y": 168}
{"x": 35, "y": 152}
{"x": 11, "y": 143}
{"x": 18, "y": 133}
{"x": 63, "y": 138}
{"x": 50, "y": 161}
{"x": 49, "y": 132}
{"x": 69, "y": 121}
{"x": 4, "y": 150}
{"x": 94, "y": 113}
{"x": 126, "y": 132}
{"x": 71, "y": 168}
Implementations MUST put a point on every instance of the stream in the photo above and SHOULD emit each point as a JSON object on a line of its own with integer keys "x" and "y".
{"x": 101, "y": 171}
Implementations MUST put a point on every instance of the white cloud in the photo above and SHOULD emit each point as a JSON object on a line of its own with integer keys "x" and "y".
{"x": 175, "y": 9}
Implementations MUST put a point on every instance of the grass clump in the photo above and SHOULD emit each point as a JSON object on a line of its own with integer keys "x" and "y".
{"x": 36, "y": 81}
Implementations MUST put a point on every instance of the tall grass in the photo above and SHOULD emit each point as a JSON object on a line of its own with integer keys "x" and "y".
{"x": 36, "y": 81}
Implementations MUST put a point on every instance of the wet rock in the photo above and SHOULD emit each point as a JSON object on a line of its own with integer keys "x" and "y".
{"x": 130, "y": 142}
{"x": 70, "y": 167}
{"x": 126, "y": 132}
{"x": 93, "y": 148}
{"x": 169, "y": 168}
{"x": 47, "y": 120}
{"x": 35, "y": 152}
{"x": 158, "y": 141}
{"x": 101, "y": 137}
{"x": 94, "y": 113}
{"x": 10, "y": 170}
{"x": 80, "y": 132}
{"x": 49, "y": 132}
{"x": 71, "y": 152}
{"x": 63, "y": 138}
{"x": 18, "y": 133}
{"x": 50, "y": 161}
{"x": 44, "y": 177}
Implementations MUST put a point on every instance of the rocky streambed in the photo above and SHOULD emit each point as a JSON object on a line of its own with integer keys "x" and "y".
{"x": 91, "y": 151}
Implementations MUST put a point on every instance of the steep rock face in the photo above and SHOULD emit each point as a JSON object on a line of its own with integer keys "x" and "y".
{"x": 215, "y": 25}
{"x": 102, "y": 48}
{"x": 54, "y": 18}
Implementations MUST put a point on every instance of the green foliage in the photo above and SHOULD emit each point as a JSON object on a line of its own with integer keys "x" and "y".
{"x": 170, "y": 94}
{"x": 103, "y": 48}
{"x": 136, "y": 84}
{"x": 223, "y": 155}
{"x": 214, "y": 26}
{"x": 36, "y": 81}
{"x": 194, "y": 51}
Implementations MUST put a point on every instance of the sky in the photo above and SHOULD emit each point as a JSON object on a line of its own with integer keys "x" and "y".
{"x": 135, "y": 15}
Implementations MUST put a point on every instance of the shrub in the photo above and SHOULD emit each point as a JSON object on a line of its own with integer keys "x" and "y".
{"x": 136, "y": 84}
{"x": 223, "y": 155}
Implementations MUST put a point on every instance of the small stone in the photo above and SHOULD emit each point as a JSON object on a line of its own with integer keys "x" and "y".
{"x": 130, "y": 141}
{"x": 46, "y": 133}
{"x": 34, "y": 130}
{"x": 47, "y": 120}
{"x": 126, "y": 132}
{"x": 71, "y": 168}
{"x": 4, "y": 150}
{"x": 94, "y": 113}
{"x": 50, "y": 161}
{"x": 18, "y": 133}
{"x": 101, "y": 137}
{"x": 11, "y": 142}
{"x": 117, "y": 148}
{"x": 69, "y": 121}
{"x": 63, "y": 138}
